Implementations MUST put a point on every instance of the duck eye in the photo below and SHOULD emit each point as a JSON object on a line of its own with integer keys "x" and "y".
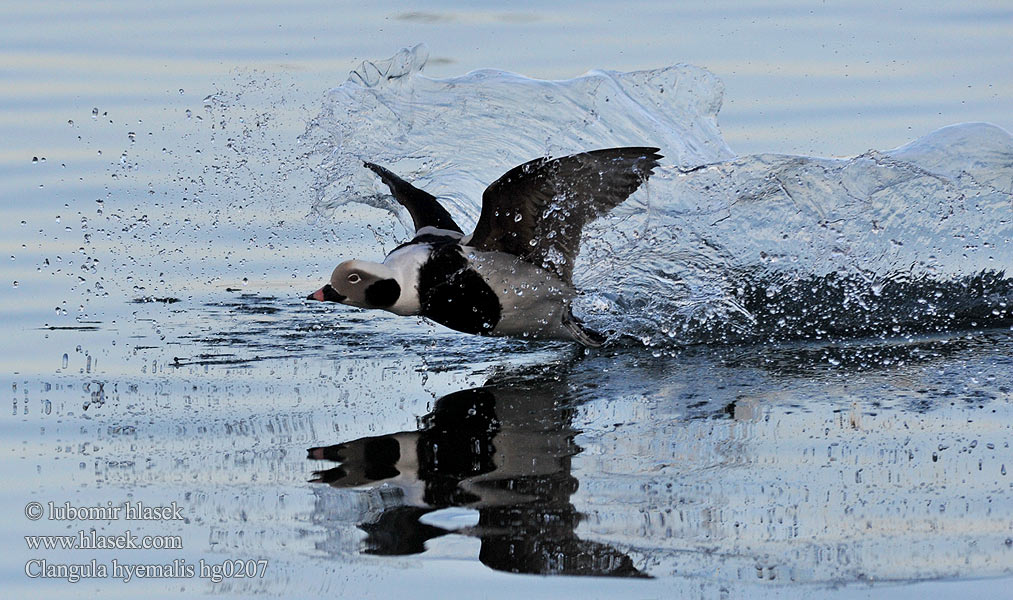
{"x": 354, "y": 278}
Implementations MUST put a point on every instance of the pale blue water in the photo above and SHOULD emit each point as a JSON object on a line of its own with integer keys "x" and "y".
{"x": 813, "y": 401}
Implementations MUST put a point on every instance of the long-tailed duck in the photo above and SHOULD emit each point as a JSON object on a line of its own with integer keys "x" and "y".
{"x": 513, "y": 275}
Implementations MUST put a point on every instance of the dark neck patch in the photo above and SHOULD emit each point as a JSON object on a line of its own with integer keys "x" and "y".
{"x": 383, "y": 293}
{"x": 454, "y": 295}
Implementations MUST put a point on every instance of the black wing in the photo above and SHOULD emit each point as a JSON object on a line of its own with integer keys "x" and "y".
{"x": 538, "y": 210}
{"x": 422, "y": 206}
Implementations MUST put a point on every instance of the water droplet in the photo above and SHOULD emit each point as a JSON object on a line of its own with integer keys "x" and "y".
{"x": 245, "y": 281}
{"x": 189, "y": 113}
{"x": 15, "y": 283}
{"x": 94, "y": 113}
{"x": 70, "y": 122}
{"x": 517, "y": 218}
{"x": 66, "y": 359}
{"x": 180, "y": 90}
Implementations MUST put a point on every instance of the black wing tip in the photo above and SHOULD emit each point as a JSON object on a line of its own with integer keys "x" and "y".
{"x": 385, "y": 174}
{"x": 649, "y": 153}
{"x": 629, "y": 150}
{"x": 390, "y": 179}
{"x": 642, "y": 160}
{"x": 646, "y": 162}
{"x": 646, "y": 150}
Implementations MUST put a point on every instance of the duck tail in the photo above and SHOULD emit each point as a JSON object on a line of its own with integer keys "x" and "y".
{"x": 579, "y": 333}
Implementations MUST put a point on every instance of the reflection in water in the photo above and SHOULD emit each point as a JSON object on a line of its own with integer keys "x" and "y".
{"x": 504, "y": 451}
{"x": 805, "y": 463}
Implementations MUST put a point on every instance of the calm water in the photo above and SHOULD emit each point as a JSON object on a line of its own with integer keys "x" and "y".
{"x": 813, "y": 399}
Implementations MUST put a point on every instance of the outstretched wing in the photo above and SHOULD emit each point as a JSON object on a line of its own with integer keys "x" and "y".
{"x": 538, "y": 210}
{"x": 422, "y": 206}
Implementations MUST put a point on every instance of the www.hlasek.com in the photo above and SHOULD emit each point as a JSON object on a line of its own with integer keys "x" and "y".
{"x": 92, "y": 539}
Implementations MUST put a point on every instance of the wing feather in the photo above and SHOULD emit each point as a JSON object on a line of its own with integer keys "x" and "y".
{"x": 422, "y": 206}
{"x": 538, "y": 210}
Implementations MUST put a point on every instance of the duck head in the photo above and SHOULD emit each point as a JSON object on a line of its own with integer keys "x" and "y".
{"x": 362, "y": 284}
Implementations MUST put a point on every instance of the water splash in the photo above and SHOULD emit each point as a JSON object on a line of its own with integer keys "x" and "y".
{"x": 772, "y": 246}
{"x": 715, "y": 247}
{"x": 455, "y": 136}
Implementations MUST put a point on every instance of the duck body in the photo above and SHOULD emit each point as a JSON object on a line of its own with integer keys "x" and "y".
{"x": 513, "y": 275}
{"x": 479, "y": 292}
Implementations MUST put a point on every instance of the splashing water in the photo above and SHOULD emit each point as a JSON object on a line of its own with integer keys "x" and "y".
{"x": 453, "y": 137}
{"x": 909, "y": 241}
{"x": 716, "y": 247}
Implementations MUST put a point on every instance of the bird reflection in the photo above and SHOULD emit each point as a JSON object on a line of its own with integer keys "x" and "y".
{"x": 504, "y": 451}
